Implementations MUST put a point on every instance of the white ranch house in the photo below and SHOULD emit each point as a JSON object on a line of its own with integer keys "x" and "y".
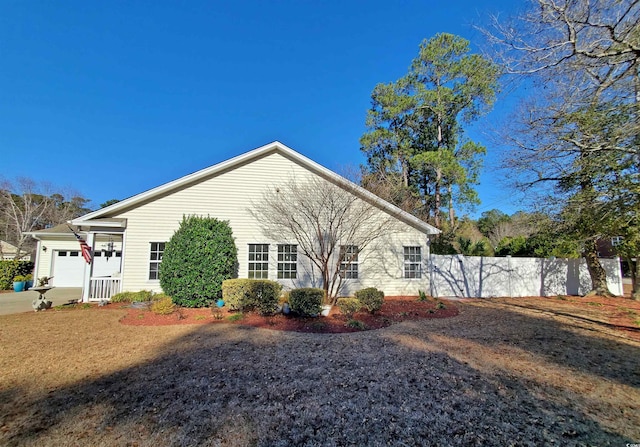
{"x": 127, "y": 238}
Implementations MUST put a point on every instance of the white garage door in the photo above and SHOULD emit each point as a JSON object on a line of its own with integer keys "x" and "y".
{"x": 103, "y": 266}
{"x": 68, "y": 267}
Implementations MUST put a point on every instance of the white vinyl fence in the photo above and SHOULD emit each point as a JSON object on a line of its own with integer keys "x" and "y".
{"x": 483, "y": 277}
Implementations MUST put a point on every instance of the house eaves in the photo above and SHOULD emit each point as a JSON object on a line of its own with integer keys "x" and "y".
{"x": 275, "y": 147}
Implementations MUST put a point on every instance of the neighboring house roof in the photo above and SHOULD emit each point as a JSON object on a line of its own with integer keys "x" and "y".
{"x": 8, "y": 251}
{"x": 275, "y": 147}
{"x": 6, "y": 247}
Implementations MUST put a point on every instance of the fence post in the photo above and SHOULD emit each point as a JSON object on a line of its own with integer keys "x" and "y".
{"x": 509, "y": 274}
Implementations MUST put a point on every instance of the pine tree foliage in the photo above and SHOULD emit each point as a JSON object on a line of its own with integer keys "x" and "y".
{"x": 418, "y": 156}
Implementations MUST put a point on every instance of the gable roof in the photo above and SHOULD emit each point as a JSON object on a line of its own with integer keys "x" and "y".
{"x": 275, "y": 147}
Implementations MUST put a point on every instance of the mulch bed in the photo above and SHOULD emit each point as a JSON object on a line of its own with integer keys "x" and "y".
{"x": 394, "y": 310}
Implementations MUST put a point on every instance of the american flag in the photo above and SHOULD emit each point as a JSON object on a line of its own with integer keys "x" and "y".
{"x": 86, "y": 250}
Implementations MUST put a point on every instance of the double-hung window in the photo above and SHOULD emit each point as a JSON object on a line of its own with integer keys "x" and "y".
{"x": 258, "y": 261}
{"x": 155, "y": 258}
{"x": 287, "y": 261}
{"x": 413, "y": 262}
{"x": 349, "y": 261}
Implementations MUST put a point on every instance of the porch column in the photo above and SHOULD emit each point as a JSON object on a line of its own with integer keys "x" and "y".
{"x": 88, "y": 269}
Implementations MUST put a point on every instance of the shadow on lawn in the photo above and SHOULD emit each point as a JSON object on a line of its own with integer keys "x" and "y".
{"x": 568, "y": 343}
{"x": 230, "y": 385}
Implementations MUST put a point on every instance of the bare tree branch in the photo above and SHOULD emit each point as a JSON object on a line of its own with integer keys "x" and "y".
{"x": 321, "y": 217}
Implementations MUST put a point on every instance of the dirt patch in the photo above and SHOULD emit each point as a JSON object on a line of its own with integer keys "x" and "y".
{"x": 394, "y": 310}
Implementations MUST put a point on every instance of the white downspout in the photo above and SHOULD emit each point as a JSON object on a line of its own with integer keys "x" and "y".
{"x": 430, "y": 258}
{"x": 36, "y": 265}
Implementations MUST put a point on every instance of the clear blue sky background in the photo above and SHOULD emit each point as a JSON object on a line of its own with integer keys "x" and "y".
{"x": 113, "y": 98}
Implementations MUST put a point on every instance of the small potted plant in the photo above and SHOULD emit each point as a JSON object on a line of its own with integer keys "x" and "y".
{"x": 19, "y": 282}
{"x": 283, "y": 303}
{"x": 29, "y": 281}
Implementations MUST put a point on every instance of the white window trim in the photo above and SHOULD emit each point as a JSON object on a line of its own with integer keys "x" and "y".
{"x": 406, "y": 263}
{"x": 156, "y": 261}
{"x": 278, "y": 262}
{"x": 355, "y": 263}
{"x": 249, "y": 261}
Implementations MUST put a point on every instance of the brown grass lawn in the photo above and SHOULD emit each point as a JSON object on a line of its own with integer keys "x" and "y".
{"x": 502, "y": 372}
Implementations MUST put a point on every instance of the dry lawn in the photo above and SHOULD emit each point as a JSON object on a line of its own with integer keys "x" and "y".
{"x": 503, "y": 372}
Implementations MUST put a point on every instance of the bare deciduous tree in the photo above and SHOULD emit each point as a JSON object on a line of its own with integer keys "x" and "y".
{"x": 322, "y": 217}
{"x": 580, "y": 133}
{"x": 26, "y": 206}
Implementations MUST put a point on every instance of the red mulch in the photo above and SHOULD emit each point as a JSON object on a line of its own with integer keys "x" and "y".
{"x": 394, "y": 310}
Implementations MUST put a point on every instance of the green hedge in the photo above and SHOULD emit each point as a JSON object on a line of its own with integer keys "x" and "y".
{"x": 371, "y": 298}
{"x": 133, "y": 297}
{"x": 11, "y": 269}
{"x": 251, "y": 294}
{"x": 306, "y": 301}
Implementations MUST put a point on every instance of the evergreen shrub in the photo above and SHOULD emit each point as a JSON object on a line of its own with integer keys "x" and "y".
{"x": 132, "y": 297}
{"x": 251, "y": 294}
{"x": 306, "y": 301}
{"x": 164, "y": 306}
{"x": 9, "y": 269}
{"x": 349, "y": 306}
{"x": 197, "y": 259}
{"x": 371, "y": 298}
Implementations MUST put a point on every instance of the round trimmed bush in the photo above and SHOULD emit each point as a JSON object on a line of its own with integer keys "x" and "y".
{"x": 371, "y": 298}
{"x": 249, "y": 294}
{"x": 165, "y": 306}
{"x": 198, "y": 257}
{"x": 349, "y": 306}
{"x": 306, "y": 301}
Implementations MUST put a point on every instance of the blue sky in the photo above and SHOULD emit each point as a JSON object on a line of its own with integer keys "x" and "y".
{"x": 113, "y": 98}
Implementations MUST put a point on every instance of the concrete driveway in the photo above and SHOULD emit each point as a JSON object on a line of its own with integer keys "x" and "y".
{"x": 13, "y": 303}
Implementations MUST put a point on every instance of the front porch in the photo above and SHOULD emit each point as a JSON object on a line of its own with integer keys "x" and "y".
{"x": 106, "y": 238}
{"x": 103, "y": 288}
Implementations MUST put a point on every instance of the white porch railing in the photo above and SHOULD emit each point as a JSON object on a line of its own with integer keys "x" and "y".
{"x": 103, "y": 288}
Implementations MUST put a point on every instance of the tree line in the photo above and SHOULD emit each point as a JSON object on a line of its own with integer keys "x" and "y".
{"x": 27, "y": 205}
{"x": 572, "y": 144}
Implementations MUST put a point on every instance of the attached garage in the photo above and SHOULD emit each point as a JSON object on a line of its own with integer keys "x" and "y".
{"x": 68, "y": 267}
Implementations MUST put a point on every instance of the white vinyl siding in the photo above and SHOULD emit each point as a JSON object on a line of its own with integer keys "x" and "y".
{"x": 228, "y": 196}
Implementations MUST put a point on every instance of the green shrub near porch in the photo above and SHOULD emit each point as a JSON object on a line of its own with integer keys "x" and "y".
{"x": 198, "y": 257}
{"x": 251, "y": 294}
{"x": 133, "y": 297}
